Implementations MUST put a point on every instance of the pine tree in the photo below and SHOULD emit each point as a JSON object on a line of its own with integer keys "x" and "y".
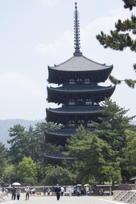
{"x": 27, "y": 171}
{"x": 129, "y": 4}
{"x": 18, "y": 143}
{"x": 100, "y": 152}
{"x": 129, "y": 160}
{"x": 3, "y": 158}
{"x": 122, "y": 38}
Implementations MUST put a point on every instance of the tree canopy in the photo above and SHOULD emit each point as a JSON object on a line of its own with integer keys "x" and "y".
{"x": 129, "y": 4}
{"x": 27, "y": 171}
{"x": 101, "y": 152}
{"x": 106, "y": 153}
{"x": 58, "y": 174}
{"x": 123, "y": 36}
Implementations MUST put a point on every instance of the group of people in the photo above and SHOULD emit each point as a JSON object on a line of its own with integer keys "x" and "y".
{"x": 15, "y": 192}
{"x": 58, "y": 190}
{"x": 51, "y": 190}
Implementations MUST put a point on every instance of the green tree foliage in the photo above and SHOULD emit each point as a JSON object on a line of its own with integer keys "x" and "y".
{"x": 36, "y": 142}
{"x": 58, "y": 175}
{"x": 3, "y": 158}
{"x": 27, "y": 171}
{"x": 3, "y": 161}
{"x": 40, "y": 145}
{"x": 113, "y": 129}
{"x": 9, "y": 174}
{"x": 100, "y": 151}
{"x": 129, "y": 4}
{"x": 105, "y": 154}
{"x": 94, "y": 158}
{"x": 122, "y": 37}
{"x": 29, "y": 142}
{"x": 113, "y": 125}
{"x": 18, "y": 143}
{"x": 129, "y": 159}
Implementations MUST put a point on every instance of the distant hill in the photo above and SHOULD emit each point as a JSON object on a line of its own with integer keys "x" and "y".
{"x": 5, "y": 125}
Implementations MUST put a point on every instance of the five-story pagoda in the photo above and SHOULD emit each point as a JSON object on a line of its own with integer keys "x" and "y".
{"x": 78, "y": 91}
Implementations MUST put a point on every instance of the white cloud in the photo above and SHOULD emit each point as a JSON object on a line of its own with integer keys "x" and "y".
{"x": 21, "y": 94}
{"x": 119, "y": 13}
{"x": 16, "y": 82}
{"x": 65, "y": 42}
{"x": 49, "y": 3}
{"x": 105, "y": 23}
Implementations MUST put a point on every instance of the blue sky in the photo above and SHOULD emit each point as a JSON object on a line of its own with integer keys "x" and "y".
{"x": 38, "y": 33}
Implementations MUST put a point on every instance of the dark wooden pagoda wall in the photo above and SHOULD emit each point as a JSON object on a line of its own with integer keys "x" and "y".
{"x": 62, "y": 77}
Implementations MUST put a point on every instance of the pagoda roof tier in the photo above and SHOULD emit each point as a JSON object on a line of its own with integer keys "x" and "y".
{"x": 66, "y": 110}
{"x": 79, "y": 67}
{"x": 59, "y": 136}
{"x": 63, "y": 132}
{"x": 73, "y": 113}
{"x": 59, "y": 156}
{"x": 80, "y": 63}
{"x": 65, "y": 93}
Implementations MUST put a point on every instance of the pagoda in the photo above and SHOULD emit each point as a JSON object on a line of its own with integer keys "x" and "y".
{"x": 78, "y": 92}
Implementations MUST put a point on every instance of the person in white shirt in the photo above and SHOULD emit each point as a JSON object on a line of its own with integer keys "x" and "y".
{"x": 27, "y": 190}
{"x": 62, "y": 191}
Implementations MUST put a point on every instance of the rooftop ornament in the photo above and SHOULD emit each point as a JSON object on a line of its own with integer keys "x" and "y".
{"x": 76, "y": 33}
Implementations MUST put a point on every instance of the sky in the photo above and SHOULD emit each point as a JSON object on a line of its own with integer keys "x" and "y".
{"x": 38, "y": 33}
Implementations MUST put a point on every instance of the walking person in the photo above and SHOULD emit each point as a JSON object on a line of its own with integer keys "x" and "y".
{"x": 44, "y": 190}
{"x": 13, "y": 193}
{"x": 18, "y": 193}
{"x": 27, "y": 190}
{"x": 58, "y": 191}
{"x": 62, "y": 190}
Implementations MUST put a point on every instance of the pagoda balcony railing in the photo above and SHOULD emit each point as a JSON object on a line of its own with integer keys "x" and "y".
{"x": 59, "y": 156}
{"x": 80, "y": 82}
{"x": 80, "y": 88}
{"x": 76, "y": 110}
{"x": 63, "y": 132}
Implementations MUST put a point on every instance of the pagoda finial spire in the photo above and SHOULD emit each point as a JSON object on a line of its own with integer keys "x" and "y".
{"x": 76, "y": 33}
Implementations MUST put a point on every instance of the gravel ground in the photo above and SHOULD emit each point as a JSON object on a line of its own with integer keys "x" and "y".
{"x": 63, "y": 200}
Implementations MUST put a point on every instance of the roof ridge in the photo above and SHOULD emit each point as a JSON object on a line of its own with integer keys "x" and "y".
{"x": 78, "y": 63}
{"x": 96, "y": 62}
{"x": 57, "y": 65}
